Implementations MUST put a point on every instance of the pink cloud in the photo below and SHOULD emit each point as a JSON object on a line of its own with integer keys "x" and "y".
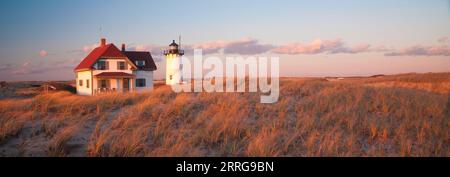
{"x": 419, "y": 50}
{"x": 84, "y": 49}
{"x": 22, "y": 69}
{"x": 6, "y": 67}
{"x": 250, "y": 47}
{"x": 243, "y": 46}
{"x": 89, "y": 48}
{"x": 146, "y": 47}
{"x": 360, "y": 48}
{"x": 381, "y": 48}
{"x": 213, "y": 46}
{"x": 142, "y": 48}
{"x": 320, "y": 46}
{"x": 31, "y": 67}
{"x": 356, "y": 49}
{"x": 26, "y": 64}
{"x": 43, "y": 53}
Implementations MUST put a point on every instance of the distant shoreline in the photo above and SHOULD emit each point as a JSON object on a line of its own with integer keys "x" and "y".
{"x": 328, "y": 76}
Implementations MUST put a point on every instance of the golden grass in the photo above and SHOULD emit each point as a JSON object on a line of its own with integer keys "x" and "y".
{"x": 313, "y": 117}
{"x": 57, "y": 144}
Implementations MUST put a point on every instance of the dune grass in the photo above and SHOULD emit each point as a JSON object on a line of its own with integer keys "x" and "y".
{"x": 313, "y": 117}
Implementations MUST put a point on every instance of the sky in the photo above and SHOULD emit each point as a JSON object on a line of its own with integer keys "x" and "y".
{"x": 46, "y": 39}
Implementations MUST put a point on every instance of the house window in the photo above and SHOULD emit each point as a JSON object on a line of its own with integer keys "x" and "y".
{"x": 140, "y": 63}
{"x": 140, "y": 82}
{"x": 104, "y": 83}
{"x": 121, "y": 65}
{"x": 80, "y": 83}
{"x": 87, "y": 83}
{"x": 103, "y": 65}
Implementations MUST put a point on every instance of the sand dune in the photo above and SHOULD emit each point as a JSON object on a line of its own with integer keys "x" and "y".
{"x": 401, "y": 115}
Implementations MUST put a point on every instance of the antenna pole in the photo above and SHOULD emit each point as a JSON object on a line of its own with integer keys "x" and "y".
{"x": 100, "y": 31}
{"x": 179, "y": 41}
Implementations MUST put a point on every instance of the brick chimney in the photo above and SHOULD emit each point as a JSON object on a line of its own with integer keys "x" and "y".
{"x": 103, "y": 42}
{"x": 123, "y": 47}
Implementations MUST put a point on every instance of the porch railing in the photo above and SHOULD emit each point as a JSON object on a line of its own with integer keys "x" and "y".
{"x": 110, "y": 90}
{"x": 104, "y": 90}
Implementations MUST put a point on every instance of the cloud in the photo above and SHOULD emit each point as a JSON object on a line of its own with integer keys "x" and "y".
{"x": 443, "y": 49}
{"x": 418, "y": 50}
{"x": 337, "y": 46}
{"x": 142, "y": 48}
{"x": 244, "y": 46}
{"x": 84, "y": 49}
{"x": 89, "y": 48}
{"x": 356, "y": 49}
{"x": 6, "y": 67}
{"x": 381, "y": 48}
{"x": 209, "y": 47}
{"x": 22, "y": 69}
{"x": 154, "y": 49}
{"x": 315, "y": 47}
{"x": 249, "y": 47}
{"x": 320, "y": 46}
{"x": 26, "y": 64}
{"x": 31, "y": 67}
{"x": 443, "y": 39}
{"x": 43, "y": 53}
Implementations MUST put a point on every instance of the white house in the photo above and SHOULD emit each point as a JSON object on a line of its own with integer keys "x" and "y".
{"x": 108, "y": 69}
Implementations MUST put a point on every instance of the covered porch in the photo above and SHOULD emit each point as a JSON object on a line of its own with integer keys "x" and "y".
{"x": 111, "y": 82}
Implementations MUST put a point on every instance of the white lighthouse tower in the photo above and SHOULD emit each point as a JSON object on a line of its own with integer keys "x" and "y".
{"x": 174, "y": 66}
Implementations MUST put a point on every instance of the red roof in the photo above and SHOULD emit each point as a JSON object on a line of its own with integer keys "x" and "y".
{"x": 106, "y": 51}
{"x": 115, "y": 75}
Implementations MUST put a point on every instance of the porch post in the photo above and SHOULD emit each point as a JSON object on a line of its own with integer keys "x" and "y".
{"x": 132, "y": 84}
{"x": 118, "y": 85}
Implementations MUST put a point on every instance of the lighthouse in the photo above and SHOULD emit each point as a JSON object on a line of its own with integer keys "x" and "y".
{"x": 174, "y": 66}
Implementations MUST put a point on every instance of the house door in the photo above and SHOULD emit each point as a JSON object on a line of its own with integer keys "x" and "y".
{"x": 126, "y": 85}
